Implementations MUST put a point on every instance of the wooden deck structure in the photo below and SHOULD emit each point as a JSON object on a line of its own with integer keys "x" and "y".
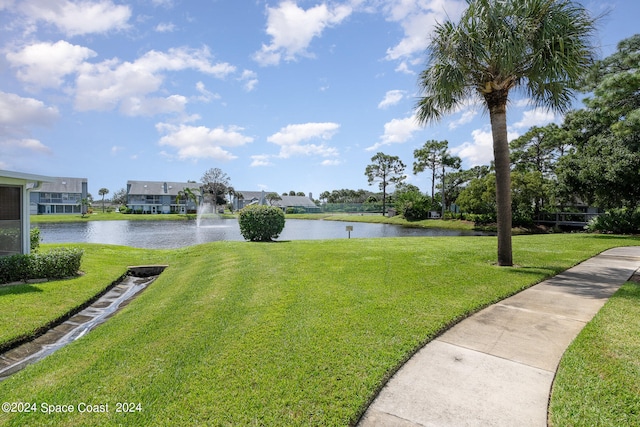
{"x": 566, "y": 219}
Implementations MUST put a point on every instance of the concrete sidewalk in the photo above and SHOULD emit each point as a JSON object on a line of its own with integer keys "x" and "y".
{"x": 496, "y": 367}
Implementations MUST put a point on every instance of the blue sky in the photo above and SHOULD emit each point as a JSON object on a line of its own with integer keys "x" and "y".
{"x": 280, "y": 95}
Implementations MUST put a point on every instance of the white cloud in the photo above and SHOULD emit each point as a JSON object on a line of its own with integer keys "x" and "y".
{"x": 465, "y": 118}
{"x": 523, "y": 102}
{"x": 205, "y": 94}
{"x": 134, "y": 106}
{"x": 480, "y": 151}
{"x": 111, "y": 83}
{"x": 261, "y": 160}
{"x": 199, "y": 142}
{"x": 403, "y": 67}
{"x": 331, "y": 162}
{"x": 292, "y": 29}
{"x": 46, "y": 64}
{"x": 176, "y": 59}
{"x": 165, "y": 27}
{"x": 535, "y": 117}
{"x": 397, "y": 131}
{"x": 78, "y": 17}
{"x": 5, "y": 4}
{"x": 17, "y": 116}
{"x": 391, "y": 98}
{"x": 417, "y": 19}
{"x": 250, "y": 80}
{"x": 116, "y": 149}
{"x": 165, "y": 3}
{"x": 25, "y": 145}
{"x": 290, "y": 137}
{"x": 18, "y": 112}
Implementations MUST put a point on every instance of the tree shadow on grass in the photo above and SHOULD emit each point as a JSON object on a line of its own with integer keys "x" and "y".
{"x": 17, "y": 289}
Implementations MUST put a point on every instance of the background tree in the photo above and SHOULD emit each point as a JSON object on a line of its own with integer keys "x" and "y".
{"x": 119, "y": 197}
{"x": 536, "y": 149}
{"x": 324, "y": 196}
{"x": 458, "y": 180}
{"x": 347, "y": 196}
{"x": 85, "y": 203}
{"x": 103, "y": 192}
{"x": 448, "y": 161}
{"x": 534, "y": 156}
{"x": 386, "y": 169}
{"x": 231, "y": 192}
{"x": 479, "y": 197}
{"x": 272, "y": 197}
{"x": 215, "y": 183}
{"x": 604, "y": 167}
{"x": 187, "y": 194}
{"x": 430, "y": 156}
{"x": 540, "y": 46}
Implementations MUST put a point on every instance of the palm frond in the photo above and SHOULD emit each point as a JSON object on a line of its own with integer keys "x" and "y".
{"x": 540, "y": 46}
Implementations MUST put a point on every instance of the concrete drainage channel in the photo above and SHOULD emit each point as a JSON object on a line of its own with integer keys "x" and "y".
{"x": 76, "y": 326}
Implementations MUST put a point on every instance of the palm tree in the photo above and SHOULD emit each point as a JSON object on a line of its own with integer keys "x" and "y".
{"x": 541, "y": 47}
{"x": 103, "y": 192}
{"x": 191, "y": 194}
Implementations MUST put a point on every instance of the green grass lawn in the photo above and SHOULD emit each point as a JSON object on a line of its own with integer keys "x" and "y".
{"x": 109, "y": 216}
{"x": 288, "y": 333}
{"x": 598, "y": 380}
{"x": 116, "y": 216}
{"x": 396, "y": 220}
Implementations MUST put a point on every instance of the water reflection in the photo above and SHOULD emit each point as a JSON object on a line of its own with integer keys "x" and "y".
{"x": 176, "y": 234}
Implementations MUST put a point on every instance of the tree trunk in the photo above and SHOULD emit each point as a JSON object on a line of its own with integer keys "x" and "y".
{"x": 443, "y": 200}
{"x": 498, "y": 115}
{"x": 433, "y": 183}
{"x": 384, "y": 194}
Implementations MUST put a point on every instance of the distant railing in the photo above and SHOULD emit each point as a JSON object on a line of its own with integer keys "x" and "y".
{"x": 573, "y": 219}
{"x": 352, "y": 207}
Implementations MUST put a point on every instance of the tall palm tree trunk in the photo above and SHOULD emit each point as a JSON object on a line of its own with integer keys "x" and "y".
{"x": 498, "y": 116}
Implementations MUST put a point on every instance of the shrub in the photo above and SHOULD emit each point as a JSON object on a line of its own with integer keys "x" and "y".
{"x": 15, "y": 267}
{"x": 55, "y": 264}
{"x": 416, "y": 210}
{"x": 481, "y": 219}
{"x": 34, "y": 236}
{"x": 261, "y": 223}
{"x": 618, "y": 221}
{"x": 58, "y": 263}
{"x": 412, "y": 204}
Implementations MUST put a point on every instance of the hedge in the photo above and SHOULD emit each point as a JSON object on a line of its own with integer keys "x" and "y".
{"x": 55, "y": 264}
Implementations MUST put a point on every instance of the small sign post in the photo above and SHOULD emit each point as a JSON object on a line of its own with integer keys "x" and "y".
{"x": 349, "y": 230}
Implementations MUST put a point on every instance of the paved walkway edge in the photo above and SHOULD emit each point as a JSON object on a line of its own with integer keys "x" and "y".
{"x": 496, "y": 368}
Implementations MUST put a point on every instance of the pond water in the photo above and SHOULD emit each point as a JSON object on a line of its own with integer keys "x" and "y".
{"x": 176, "y": 234}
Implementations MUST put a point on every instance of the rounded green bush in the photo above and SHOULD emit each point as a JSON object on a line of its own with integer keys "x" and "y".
{"x": 261, "y": 223}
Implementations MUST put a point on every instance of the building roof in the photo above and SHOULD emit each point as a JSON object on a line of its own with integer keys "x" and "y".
{"x": 153, "y": 188}
{"x": 62, "y": 185}
{"x": 251, "y": 195}
{"x": 297, "y": 201}
{"x": 28, "y": 177}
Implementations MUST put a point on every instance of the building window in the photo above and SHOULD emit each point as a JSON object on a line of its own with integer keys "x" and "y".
{"x": 10, "y": 221}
